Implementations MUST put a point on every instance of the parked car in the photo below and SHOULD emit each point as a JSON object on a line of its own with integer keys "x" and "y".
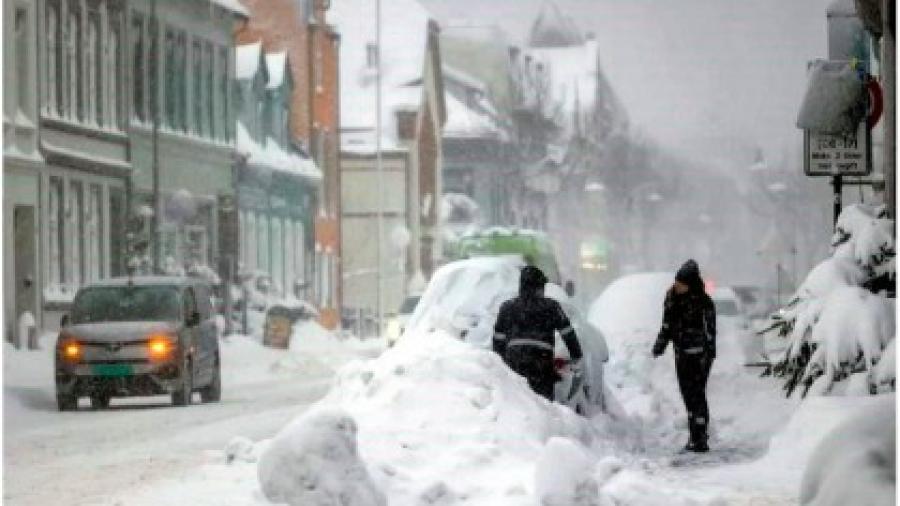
{"x": 397, "y": 323}
{"x": 135, "y": 337}
{"x": 732, "y": 322}
{"x": 464, "y": 297}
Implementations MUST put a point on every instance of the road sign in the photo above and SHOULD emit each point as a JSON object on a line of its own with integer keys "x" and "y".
{"x": 847, "y": 154}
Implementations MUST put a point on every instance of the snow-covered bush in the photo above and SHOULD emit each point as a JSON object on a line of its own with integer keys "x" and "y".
{"x": 314, "y": 462}
{"x": 833, "y": 325}
{"x": 855, "y": 463}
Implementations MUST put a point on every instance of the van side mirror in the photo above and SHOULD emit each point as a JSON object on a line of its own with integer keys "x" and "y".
{"x": 570, "y": 288}
{"x": 64, "y": 320}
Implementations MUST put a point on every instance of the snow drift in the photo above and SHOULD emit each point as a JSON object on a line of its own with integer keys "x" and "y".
{"x": 314, "y": 462}
{"x": 440, "y": 420}
{"x": 855, "y": 463}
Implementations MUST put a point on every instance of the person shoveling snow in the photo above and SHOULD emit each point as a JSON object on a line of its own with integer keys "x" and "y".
{"x": 524, "y": 334}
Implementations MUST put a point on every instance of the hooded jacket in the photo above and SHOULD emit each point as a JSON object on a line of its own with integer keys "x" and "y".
{"x": 532, "y": 319}
{"x": 689, "y": 319}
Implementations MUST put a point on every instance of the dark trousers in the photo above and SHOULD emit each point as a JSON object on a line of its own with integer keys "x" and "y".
{"x": 536, "y": 365}
{"x": 693, "y": 371}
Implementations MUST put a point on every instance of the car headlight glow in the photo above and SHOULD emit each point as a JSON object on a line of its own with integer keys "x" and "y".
{"x": 160, "y": 346}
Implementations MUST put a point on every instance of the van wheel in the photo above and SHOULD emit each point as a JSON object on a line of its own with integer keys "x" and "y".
{"x": 99, "y": 401}
{"x": 182, "y": 396}
{"x": 66, "y": 402}
{"x": 213, "y": 391}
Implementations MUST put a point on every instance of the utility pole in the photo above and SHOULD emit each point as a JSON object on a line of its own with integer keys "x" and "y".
{"x": 379, "y": 168}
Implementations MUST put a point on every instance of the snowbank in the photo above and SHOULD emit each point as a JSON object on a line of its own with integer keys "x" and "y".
{"x": 314, "y": 461}
{"x": 441, "y": 420}
{"x": 855, "y": 463}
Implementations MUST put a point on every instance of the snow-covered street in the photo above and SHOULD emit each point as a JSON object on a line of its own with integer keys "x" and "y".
{"x": 142, "y": 440}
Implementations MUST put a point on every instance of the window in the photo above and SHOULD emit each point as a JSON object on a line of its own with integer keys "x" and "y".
{"x": 290, "y": 274}
{"x": 262, "y": 260}
{"x": 182, "y": 83}
{"x": 210, "y": 87}
{"x": 114, "y": 71}
{"x": 242, "y": 238}
{"x": 137, "y": 67}
{"x": 251, "y": 243}
{"x": 94, "y": 67}
{"x": 74, "y": 103}
{"x": 171, "y": 79}
{"x": 299, "y": 252}
{"x": 22, "y": 57}
{"x": 224, "y": 102}
{"x": 52, "y": 63}
{"x": 277, "y": 248}
{"x": 75, "y": 234}
{"x": 94, "y": 235}
{"x": 151, "y": 71}
{"x": 197, "y": 77}
{"x": 55, "y": 217}
{"x": 371, "y": 55}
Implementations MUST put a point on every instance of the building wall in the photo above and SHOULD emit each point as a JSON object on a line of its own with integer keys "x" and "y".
{"x": 190, "y": 77}
{"x": 359, "y": 231}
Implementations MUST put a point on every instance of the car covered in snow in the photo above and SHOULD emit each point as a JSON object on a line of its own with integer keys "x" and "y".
{"x": 136, "y": 337}
{"x": 464, "y": 297}
{"x": 397, "y": 323}
{"x": 732, "y": 322}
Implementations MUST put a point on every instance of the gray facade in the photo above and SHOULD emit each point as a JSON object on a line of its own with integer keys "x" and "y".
{"x": 78, "y": 154}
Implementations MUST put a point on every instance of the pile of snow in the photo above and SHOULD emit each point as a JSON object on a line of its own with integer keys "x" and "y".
{"x": 855, "y": 463}
{"x": 440, "y": 420}
{"x": 833, "y": 326}
{"x": 314, "y": 460}
{"x": 272, "y": 156}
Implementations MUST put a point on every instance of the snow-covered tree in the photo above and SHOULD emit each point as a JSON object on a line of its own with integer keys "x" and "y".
{"x": 841, "y": 320}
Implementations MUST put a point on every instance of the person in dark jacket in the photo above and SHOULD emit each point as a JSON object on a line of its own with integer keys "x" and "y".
{"x": 689, "y": 322}
{"x": 524, "y": 334}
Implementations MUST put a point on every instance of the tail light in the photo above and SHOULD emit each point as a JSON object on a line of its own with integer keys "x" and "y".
{"x": 560, "y": 363}
{"x": 160, "y": 347}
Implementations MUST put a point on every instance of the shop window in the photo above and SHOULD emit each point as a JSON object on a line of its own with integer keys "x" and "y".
{"x": 94, "y": 235}
{"x": 55, "y": 234}
{"x": 76, "y": 234}
{"x": 252, "y": 262}
{"x": 116, "y": 231}
{"x": 262, "y": 260}
{"x": 277, "y": 247}
{"x": 299, "y": 253}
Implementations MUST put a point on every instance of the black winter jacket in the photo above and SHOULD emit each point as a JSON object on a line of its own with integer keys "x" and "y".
{"x": 530, "y": 320}
{"x": 689, "y": 322}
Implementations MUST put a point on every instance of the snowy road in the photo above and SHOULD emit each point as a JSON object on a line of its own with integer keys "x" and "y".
{"x": 86, "y": 457}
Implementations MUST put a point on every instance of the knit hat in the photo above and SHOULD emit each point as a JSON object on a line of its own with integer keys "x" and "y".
{"x": 689, "y": 273}
{"x": 531, "y": 279}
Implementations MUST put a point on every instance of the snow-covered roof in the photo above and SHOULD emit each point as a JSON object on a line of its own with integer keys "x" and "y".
{"x": 464, "y": 121}
{"x": 271, "y": 155}
{"x": 276, "y": 64}
{"x": 402, "y": 59}
{"x": 463, "y": 78}
{"x": 246, "y": 60}
{"x": 232, "y": 5}
{"x": 553, "y": 28}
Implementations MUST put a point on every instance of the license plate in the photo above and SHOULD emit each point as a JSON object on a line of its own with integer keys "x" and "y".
{"x": 112, "y": 370}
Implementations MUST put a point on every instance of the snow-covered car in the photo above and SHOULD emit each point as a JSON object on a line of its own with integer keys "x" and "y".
{"x": 733, "y": 323}
{"x": 397, "y": 323}
{"x": 136, "y": 337}
{"x": 464, "y": 297}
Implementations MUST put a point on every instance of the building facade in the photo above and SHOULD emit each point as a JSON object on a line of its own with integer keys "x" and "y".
{"x": 412, "y": 115}
{"x": 181, "y": 126}
{"x": 300, "y": 29}
{"x": 277, "y": 185}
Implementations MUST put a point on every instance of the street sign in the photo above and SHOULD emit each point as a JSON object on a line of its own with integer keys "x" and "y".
{"x": 838, "y": 154}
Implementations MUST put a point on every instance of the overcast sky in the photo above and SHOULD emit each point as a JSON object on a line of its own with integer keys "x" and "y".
{"x": 690, "y": 70}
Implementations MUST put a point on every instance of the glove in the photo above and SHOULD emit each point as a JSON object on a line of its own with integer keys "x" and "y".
{"x": 658, "y": 349}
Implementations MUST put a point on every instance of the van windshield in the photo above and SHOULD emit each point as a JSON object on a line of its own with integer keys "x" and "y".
{"x": 725, "y": 307}
{"x": 126, "y": 303}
